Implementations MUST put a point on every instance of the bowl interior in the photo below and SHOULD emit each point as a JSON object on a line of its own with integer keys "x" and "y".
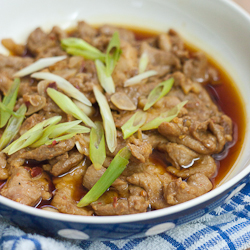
{"x": 219, "y": 28}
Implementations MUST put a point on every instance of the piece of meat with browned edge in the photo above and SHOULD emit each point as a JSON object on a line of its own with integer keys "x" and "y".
{"x": 132, "y": 205}
{"x": 24, "y": 188}
{"x": 180, "y": 191}
{"x": 11, "y": 64}
{"x": 66, "y": 187}
{"x": 85, "y": 31}
{"x": 45, "y": 152}
{"x": 207, "y": 137}
{"x": 162, "y": 61}
{"x": 204, "y": 164}
{"x": 178, "y": 155}
{"x": 153, "y": 185}
{"x": 140, "y": 149}
{"x": 42, "y": 44}
{"x": 4, "y": 174}
{"x": 16, "y": 159}
{"x": 65, "y": 162}
{"x": 30, "y": 122}
{"x": 124, "y": 34}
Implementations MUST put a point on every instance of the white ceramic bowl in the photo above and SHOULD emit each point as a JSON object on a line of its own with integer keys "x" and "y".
{"x": 218, "y": 27}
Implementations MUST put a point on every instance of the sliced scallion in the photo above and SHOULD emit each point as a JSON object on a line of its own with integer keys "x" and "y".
{"x": 111, "y": 59}
{"x": 89, "y": 55}
{"x": 5, "y": 109}
{"x": 143, "y": 62}
{"x": 78, "y": 47}
{"x": 79, "y": 129}
{"x": 61, "y": 138}
{"x": 38, "y": 65}
{"x": 12, "y": 127}
{"x": 138, "y": 78}
{"x": 64, "y": 85}
{"x": 65, "y": 104}
{"x": 86, "y": 109}
{"x": 106, "y": 81}
{"x": 108, "y": 121}
{"x": 54, "y": 131}
{"x": 78, "y": 43}
{"x": 158, "y": 92}
{"x": 31, "y": 135}
{"x": 114, "y": 170}
{"x": 164, "y": 117}
{"x": 9, "y": 102}
{"x": 133, "y": 124}
{"x": 97, "y": 151}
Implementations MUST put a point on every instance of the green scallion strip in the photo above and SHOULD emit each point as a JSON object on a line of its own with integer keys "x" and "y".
{"x": 12, "y": 127}
{"x": 108, "y": 121}
{"x": 97, "y": 151}
{"x": 31, "y": 135}
{"x": 61, "y": 138}
{"x": 111, "y": 59}
{"x": 89, "y": 55}
{"x": 9, "y": 102}
{"x": 106, "y": 81}
{"x": 55, "y": 131}
{"x": 78, "y": 43}
{"x": 114, "y": 170}
{"x": 164, "y": 117}
{"x": 4, "y": 108}
{"x": 133, "y": 124}
{"x": 158, "y": 92}
{"x": 79, "y": 129}
{"x": 65, "y": 104}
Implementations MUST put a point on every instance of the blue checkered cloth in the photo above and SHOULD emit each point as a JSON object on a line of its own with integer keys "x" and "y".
{"x": 227, "y": 227}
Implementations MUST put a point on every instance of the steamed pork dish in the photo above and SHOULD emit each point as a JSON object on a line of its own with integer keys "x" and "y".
{"x": 96, "y": 122}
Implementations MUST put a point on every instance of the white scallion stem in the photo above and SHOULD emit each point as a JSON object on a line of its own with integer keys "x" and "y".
{"x": 138, "y": 78}
{"x": 108, "y": 121}
{"x": 143, "y": 63}
{"x": 64, "y": 85}
{"x": 38, "y": 65}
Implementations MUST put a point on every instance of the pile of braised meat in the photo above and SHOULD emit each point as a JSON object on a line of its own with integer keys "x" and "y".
{"x": 169, "y": 164}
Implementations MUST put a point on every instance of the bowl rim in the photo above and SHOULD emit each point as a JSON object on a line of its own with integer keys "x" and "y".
{"x": 141, "y": 216}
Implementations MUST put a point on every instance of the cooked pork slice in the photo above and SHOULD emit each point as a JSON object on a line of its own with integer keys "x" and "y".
{"x": 203, "y": 164}
{"x": 203, "y": 137}
{"x": 66, "y": 162}
{"x": 42, "y": 44}
{"x": 30, "y": 122}
{"x": 180, "y": 191}
{"x": 162, "y": 61}
{"x": 178, "y": 155}
{"x": 48, "y": 152}
{"x": 4, "y": 174}
{"x": 141, "y": 150}
{"x": 24, "y": 188}
{"x": 153, "y": 185}
{"x": 132, "y": 205}
{"x": 126, "y": 35}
